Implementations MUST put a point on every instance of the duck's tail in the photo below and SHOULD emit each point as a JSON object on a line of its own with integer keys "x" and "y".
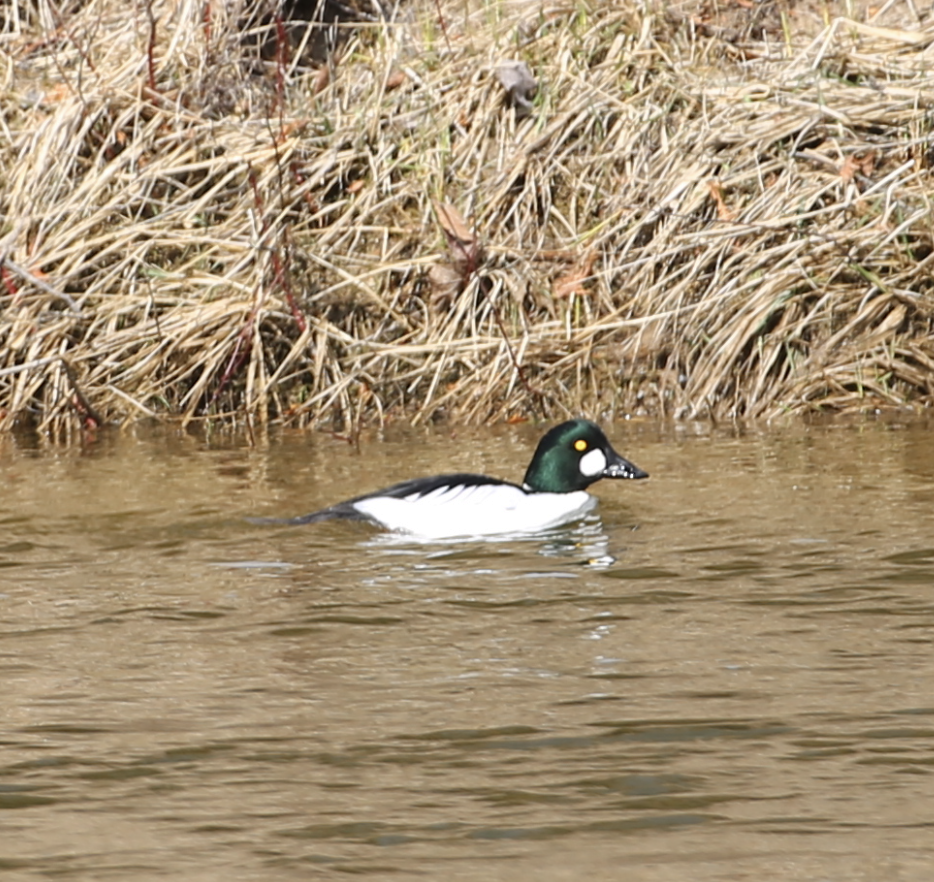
{"x": 333, "y": 513}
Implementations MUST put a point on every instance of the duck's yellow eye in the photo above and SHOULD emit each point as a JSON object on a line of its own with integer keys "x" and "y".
{"x": 580, "y": 445}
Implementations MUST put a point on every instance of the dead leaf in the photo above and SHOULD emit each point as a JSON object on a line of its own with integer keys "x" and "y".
{"x": 521, "y": 87}
{"x": 848, "y": 169}
{"x": 863, "y": 163}
{"x": 395, "y": 79}
{"x": 322, "y": 80}
{"x": 287, "y": 129}
{"x": 716, "y": 191}
{"x": 56, "y": 94}
{"x": 465, "y": 251}
{"x": 453, "y": 223}
{"x": 445, "y": 284}
{"x": 463, "y": 244}
{"x": 572, "y": 282}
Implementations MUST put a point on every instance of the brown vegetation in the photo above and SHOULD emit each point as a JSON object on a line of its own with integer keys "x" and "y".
{"x": 696, "y": 210}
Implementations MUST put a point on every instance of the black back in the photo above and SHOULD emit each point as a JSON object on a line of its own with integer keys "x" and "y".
{"x": 413, "y": 487}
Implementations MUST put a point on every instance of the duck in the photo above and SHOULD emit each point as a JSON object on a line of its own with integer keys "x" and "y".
{"x": 568, "y": 459}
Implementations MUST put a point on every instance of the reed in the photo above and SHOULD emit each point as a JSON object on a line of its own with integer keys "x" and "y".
{"x": 700, "y": 214}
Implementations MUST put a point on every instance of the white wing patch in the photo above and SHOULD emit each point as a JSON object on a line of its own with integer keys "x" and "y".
{"x": 480, "y": 510}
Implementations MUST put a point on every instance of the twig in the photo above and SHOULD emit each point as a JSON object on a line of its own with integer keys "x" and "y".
{"x": 27, "y": 276}
{"x": 29, "y": 365}
{"x": 151, "y": 46}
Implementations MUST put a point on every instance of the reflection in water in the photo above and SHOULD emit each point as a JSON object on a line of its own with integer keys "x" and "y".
{"x": 585, "y": 542}
{"x": 725, "y": 676}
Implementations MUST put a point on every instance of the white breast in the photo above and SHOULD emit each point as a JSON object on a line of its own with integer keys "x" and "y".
{"x": 481, "y": 510}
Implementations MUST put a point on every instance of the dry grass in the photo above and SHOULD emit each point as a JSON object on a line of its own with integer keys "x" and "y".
{"x": 702, "y": 215}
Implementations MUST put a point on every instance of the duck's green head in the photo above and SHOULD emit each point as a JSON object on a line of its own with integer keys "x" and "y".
{"x": 572, "y": 456}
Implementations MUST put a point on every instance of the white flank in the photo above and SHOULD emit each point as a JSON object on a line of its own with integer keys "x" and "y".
{"x": 482, "y": 510}
{"x": 593, "y": 462}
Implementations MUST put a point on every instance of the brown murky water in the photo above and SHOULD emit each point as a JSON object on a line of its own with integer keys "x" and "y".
{"x": 729, "y": 677}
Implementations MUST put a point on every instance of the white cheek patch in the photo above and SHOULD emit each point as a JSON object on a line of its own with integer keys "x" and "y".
{"x": 593, "y": 462}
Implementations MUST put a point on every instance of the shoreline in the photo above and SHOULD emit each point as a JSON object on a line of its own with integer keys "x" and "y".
{"x": 688, "y": 217}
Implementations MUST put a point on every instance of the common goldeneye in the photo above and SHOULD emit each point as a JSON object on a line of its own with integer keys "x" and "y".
{"x": 568, "y": 459}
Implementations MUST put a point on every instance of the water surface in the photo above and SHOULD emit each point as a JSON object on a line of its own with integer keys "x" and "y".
{"x": 728, "y": 676}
